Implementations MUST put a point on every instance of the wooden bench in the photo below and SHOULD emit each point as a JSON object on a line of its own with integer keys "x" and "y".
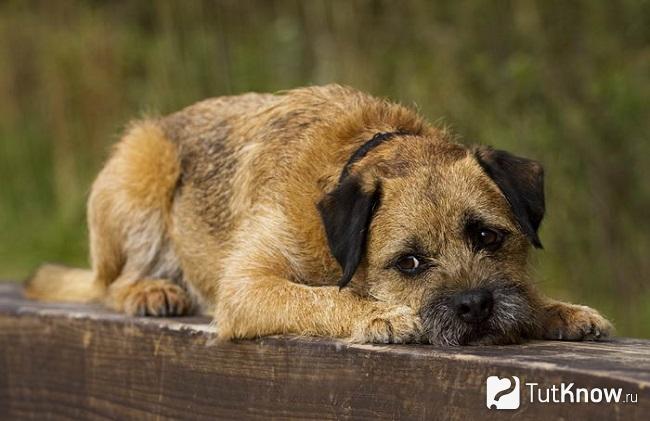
{"x": 60, "y": 361}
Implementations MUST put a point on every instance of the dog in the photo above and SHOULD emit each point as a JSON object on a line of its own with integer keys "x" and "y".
{"x": 318, "y": 211}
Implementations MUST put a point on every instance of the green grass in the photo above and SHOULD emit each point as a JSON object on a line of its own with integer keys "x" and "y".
{"x": 565, "y": 82}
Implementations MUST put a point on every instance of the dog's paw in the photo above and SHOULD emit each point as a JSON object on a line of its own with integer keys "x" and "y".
{"x": 570, "y": 322}
{"x": 388, "y": 324}
{"x": 156, "y": 298}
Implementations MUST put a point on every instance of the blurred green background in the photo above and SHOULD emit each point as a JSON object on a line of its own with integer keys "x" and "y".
{"x": 565, "y": 82}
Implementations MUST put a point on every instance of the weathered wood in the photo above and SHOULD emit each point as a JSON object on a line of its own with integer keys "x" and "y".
{"x": 83, "y": 362}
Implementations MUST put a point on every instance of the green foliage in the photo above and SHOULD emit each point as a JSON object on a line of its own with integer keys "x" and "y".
{"x": 565, "y": 82}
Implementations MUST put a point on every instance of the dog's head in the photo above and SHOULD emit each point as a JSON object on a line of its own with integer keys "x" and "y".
{"x": 444, "y": 229}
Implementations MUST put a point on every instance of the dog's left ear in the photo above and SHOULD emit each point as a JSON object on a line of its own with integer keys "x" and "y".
{"x": 346, "y": 213}
{"x": 521, "y": 181}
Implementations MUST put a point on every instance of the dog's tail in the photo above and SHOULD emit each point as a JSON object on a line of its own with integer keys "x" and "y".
{"x": 59, "y": 283}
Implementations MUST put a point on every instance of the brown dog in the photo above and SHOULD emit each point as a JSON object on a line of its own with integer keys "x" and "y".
{"x": 320, "y": 211}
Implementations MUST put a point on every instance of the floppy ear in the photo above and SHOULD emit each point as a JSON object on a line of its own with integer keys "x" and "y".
{"x": 346, "y": 213}
{"x": 521, "y": 181}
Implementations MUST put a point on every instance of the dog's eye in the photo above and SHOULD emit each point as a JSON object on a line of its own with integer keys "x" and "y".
{"x": 483, "y": 238}
{"x": 488, "y": 239}
{"x": 408, "y": 264}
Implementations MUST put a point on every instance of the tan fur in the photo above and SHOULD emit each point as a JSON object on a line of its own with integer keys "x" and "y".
{"x": 60, "y": 283}
{"x": 213, "y": 209}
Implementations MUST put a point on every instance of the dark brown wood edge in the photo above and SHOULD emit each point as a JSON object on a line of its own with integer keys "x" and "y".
{"x": 61, "y": 361}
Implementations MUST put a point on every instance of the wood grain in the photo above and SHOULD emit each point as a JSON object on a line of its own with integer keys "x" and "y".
{"x": 84, "y": 362}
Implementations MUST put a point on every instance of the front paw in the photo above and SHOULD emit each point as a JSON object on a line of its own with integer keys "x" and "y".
{"x": 570, "y": 322}
{"x": 388, "y": 324}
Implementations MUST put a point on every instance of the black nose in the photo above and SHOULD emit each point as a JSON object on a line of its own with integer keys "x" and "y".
{"x": 474, "y": 306}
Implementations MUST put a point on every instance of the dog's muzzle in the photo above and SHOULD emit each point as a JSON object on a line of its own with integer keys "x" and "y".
{"x": 498, "y": 313}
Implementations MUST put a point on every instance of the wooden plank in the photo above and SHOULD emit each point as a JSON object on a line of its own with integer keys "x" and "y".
{"x": 83, "y": 362}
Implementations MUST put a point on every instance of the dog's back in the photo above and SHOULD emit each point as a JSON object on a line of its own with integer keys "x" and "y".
{"x": 191, "y": 155}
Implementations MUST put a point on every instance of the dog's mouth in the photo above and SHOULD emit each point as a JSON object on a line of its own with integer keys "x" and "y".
{"x": 511, "y": 318}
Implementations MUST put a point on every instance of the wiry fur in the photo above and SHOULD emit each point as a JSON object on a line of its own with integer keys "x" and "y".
{"x": 215, "y": 209}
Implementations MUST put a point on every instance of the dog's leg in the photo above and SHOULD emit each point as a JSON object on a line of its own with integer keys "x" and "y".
{"x": 571, "y": 322}
{"x": 255, "y": 304}
{"x": 129, "y": 207}
{"x": 256, "y": 297}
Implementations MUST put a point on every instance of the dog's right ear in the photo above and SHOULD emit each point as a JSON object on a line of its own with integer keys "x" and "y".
{"x": 346, "y": 213}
